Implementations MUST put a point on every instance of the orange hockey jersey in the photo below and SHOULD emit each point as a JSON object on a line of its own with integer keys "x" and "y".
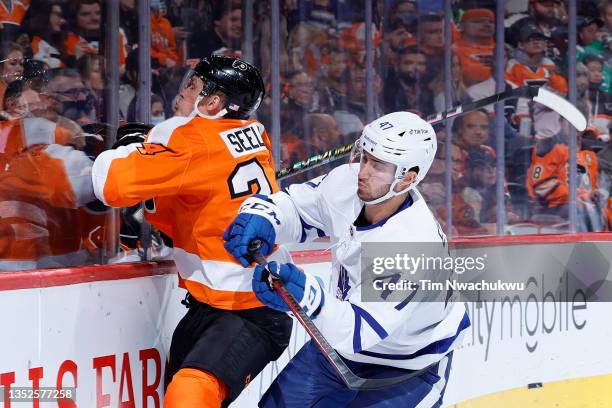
{"x": 13, "y": 11}
{"x": 547, "y": 178}
{"x": 199, "y": 171}
{"x": 163, "y": 44}
{"x": 520, "y": 75}
{"x": 18, "y": 134}
{"x": 475, "y": 60}
{"x": 41, "y": 189}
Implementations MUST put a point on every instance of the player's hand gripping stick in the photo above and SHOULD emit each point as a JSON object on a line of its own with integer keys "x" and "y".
{"x": 352, "y": 380}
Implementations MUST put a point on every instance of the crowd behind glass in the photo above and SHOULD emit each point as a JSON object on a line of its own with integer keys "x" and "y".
{"x": 52, "y": 97}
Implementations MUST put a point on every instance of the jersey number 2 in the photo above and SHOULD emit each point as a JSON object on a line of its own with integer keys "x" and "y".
{"x": 244, "y": 176}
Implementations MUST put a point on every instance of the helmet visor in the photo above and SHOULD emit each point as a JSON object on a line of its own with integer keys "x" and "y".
{"x": 378, "y": 170}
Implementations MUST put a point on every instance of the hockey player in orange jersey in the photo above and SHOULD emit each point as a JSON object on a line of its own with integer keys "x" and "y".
{"x": 199, "y": 169}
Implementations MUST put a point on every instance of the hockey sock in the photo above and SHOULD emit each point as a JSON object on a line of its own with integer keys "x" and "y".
{"x": 193, "y": 388}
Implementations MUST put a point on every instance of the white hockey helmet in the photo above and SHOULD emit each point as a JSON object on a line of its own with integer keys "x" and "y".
{"x": 403, "y": 139}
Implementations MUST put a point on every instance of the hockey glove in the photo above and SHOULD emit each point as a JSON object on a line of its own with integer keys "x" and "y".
{"x": 254, "y": 222}
{"x": 305, "y": 288}
{"x": 132, "y": 132}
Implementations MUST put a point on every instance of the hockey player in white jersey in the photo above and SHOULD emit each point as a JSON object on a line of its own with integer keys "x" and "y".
{"x": 373, "y": 201}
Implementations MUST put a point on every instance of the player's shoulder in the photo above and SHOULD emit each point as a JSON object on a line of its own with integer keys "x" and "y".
{"x": 340, "y": 179}
{"x": 162, "y": 132}
{"x": 415, "y": 223}
{"x": 343, "y": 173}
{"x": 337, "y": 189}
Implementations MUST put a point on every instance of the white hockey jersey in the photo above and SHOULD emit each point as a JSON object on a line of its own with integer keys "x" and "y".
{"x": 409, "y": 335}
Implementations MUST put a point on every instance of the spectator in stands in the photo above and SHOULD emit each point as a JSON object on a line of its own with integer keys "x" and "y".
{"x": 431, "y": 42}
{"x": 263, "y": 43}
{"x": 353, "y": 40}
{"x": 547, "y": 181}
{"x": 69, "y": 96}
{"x": 308, "y": 41}
{"x": 15, "y": 106}
{"x": 402, "y": 12}
{"x": 529, "y": 63}
{"x": 547, "y": 177}
{"x": 476, "y": 44}
{"x": 91, "y": 68}
{"x": 85, "y": 37}
{"x": 333, "y": 80}
{"x": 11, "y": 66}
{"x": 405, "y": 88}
{"x": 530, "y": 66}
{"x": 302, "y": 99}
{"x": 223, "y": 38}
{"x": 401, "y": 33}
{"x": 472, "y": 130}
{"x": 547, "y": 15}
{"x": 46, "y": 26}
{"x": 158, "y": 114}
{"x": 598, "y": 101}
{"x": 163, "y": 43}
{"x": 459, "y": 93}
{"x": 588, "y": 43}
{"x": 481, "y": 176}
{"x": 321, "y": 133}
{"x": 128, "y": 20}
{"x": 604, "y": 35}
{"x": 434, "y": 190}
{"x": 357, "y": 95}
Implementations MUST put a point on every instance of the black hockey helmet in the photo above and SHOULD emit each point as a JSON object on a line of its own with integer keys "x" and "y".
{"x": 239, "y": 80}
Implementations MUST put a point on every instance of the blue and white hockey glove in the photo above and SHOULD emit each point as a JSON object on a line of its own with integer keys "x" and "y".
{"x": 305, "y": 288}
{"x": 255, "y": 221}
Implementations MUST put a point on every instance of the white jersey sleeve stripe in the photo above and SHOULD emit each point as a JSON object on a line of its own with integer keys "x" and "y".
{"x": 99, "y": 171}
{"x": 362, "y": 314}
{"x": 438, "y": 347}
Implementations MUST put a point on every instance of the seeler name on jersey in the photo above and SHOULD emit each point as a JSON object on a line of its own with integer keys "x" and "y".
{"x": 244, "y": 140}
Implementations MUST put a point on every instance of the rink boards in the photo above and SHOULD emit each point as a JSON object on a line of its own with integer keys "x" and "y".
{"x": 105, "y": 330}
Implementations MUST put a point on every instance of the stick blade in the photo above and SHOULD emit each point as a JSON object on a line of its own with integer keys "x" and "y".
{"x": 562, "y": 107}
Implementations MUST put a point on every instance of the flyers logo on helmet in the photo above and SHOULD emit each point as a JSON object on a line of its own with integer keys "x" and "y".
{"x": 239, "y": 65}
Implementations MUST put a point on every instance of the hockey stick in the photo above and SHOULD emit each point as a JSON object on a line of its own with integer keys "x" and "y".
{"x": 535, "y": 93}
{"x": 352, "y": 380}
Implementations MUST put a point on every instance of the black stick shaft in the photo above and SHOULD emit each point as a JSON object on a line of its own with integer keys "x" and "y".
{"x": 342, "y": 151}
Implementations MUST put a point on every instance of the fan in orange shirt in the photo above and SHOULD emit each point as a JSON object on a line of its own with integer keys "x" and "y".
{"x": 475, "y": 45}
{"x": 86, "y": 37}
{"x": 163, "y": 43}
{"x": 547, "y": 177}
{"x": 199, "y": 169}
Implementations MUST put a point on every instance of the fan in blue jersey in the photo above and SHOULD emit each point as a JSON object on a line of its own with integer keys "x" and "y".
{"x": 374, "y": 200}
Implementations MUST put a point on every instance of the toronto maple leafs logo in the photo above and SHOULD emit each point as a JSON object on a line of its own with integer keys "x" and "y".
{"x": 343, "y": 284}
